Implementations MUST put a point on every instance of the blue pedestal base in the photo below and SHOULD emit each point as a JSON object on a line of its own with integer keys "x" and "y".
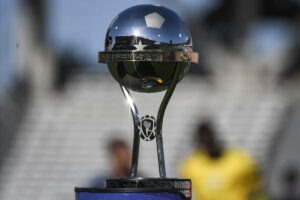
{"x": 138, "y": 194}
{"x": 138, "y": 189}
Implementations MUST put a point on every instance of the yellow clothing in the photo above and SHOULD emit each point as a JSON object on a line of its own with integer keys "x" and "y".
{"x": 232, "y": 176}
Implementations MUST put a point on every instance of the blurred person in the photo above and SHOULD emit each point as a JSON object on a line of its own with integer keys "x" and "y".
{"x": 120, "y": 158}
{"x": 218, "y": 172}
{"x": 290, "y": 184}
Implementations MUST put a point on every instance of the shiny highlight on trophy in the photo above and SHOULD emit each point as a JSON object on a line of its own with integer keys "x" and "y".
{"x": 148, "y": 48}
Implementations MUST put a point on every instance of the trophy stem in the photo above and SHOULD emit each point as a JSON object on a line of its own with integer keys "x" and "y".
{"x": 136, "y": 137}
{"x": 160, "y": 116}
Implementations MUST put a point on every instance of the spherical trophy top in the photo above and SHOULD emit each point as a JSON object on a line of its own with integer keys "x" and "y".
{"x": 143, "y": 46}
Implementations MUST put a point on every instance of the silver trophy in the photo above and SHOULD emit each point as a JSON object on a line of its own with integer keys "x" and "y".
{"x": 148, "y": 48}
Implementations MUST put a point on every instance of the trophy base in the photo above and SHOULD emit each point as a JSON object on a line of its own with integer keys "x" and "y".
{"x": 139, "y": 188}
{"x": 181, "y": 185}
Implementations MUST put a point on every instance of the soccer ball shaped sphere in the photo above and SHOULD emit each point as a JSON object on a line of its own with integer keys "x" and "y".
{"x": 147, "y": 28}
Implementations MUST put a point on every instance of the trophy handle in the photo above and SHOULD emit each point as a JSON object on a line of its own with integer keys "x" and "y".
{"x": 136, "y": 137}
{"x": 160, "y": 116}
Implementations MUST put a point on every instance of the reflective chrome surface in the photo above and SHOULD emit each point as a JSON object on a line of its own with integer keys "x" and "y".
{"x": 148, "y": 48}
{"x": 146, "y": 76}
{"x": 140, "y": 31}
{"x": 136, "y": 137}
{"x": 148, "y": 27}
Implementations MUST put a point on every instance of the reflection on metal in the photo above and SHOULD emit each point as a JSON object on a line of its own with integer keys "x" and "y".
{"x": 136, "y": 137}
{"x": 147, "y": 41}
{"x": 160, "y": 117}
{"x": 158, "y": 56}
{"x": 156, "y": 26}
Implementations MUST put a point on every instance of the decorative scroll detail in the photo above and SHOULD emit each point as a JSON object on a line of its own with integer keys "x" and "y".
{"x": 109, "y": 56}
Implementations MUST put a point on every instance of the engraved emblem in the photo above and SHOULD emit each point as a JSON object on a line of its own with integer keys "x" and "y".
{"x": 185, "y": 56}
{"x": 147, "y": 128}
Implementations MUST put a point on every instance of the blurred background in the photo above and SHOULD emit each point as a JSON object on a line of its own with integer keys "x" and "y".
{"x": 59, "y": 108}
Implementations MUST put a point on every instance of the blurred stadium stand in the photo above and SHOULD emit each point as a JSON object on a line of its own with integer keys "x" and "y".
{"x": 55, "y": 125}
{"x": 60, "y": 140}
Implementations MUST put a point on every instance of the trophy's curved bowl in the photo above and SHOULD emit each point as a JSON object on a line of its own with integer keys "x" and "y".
{"x": 146, "y": 76}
